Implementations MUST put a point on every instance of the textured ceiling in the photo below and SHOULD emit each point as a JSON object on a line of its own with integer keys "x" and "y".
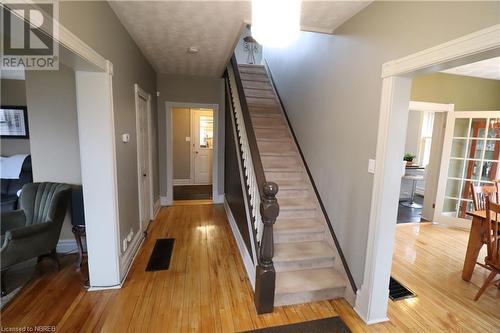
{"x": 164, "y": 30}
{"x": 486, "y": 69}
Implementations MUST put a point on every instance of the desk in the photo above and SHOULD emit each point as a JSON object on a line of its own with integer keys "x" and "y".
{"x": 475, "y": 243}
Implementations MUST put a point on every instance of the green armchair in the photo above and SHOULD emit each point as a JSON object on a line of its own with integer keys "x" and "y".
{"x": 33, "y": 230}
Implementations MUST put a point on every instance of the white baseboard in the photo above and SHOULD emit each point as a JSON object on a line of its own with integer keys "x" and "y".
{"x": 247, "y": 259}
{"x": 156, "y": 208}
{"x": 181, "y": 181}
{"x": 67, "y": 246}
{"x": 163, "y": 201}
{"x": 128, "y": 257}
{"x": 218, "y": 199}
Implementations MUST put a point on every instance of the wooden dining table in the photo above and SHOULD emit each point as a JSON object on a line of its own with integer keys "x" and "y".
{"x": 476, "y": 242}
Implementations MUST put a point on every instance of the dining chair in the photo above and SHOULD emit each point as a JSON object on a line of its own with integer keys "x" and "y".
{"x": 481, "y": 192}
{"x": 492, "y": 236}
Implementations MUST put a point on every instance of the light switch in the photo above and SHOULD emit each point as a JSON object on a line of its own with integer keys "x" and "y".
{"x": 371, "y": 166}
{"x": 125, "y": 137}
{"x": 188, "y": 139}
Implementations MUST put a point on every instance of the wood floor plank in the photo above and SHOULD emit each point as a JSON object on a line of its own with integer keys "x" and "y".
{"x": 206, "y": 288}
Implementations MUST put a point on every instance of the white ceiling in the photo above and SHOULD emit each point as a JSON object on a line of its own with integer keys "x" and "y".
{"x": 164, "y": 30}
{"x": 486, "y": 69}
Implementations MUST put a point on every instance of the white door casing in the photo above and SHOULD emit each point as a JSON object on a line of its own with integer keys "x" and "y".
{"x": 373, "y": 295}
{"x": 143, "y": 134}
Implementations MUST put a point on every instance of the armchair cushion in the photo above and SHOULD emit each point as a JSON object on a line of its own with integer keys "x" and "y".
{"x": 28, "y": 231}
{"x": 11, "y": 220}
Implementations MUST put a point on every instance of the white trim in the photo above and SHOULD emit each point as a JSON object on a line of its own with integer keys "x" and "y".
{"x": 431, "y": 107}
{"x": 444, "y": 55}
{"x": 157, "y": 208}
{"x": 140, "y": 93}
{"x": 164, "y": 201}
{"x": 371, "y": 303}
{"x": 169, "y": 198}
{"x": 128, "y": 257}
{"x": 185, "y": 181}
{"x": 247, "y": 259}
{"x": 218, "y": 199}
{"x": 67, "y": 246}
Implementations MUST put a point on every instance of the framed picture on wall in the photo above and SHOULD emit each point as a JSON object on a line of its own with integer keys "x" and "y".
{"x": 14, "y": 122}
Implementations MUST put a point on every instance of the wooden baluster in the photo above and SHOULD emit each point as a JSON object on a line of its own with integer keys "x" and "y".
{"x": 266, "y": 275}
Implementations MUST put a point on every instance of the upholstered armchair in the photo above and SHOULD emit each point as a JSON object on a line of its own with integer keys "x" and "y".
{"x": 33, "y": 230}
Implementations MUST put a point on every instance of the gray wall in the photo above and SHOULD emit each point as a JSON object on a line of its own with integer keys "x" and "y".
{"x": 331, "y": 89}
{"x": 13, "y": 92}
{"x": 97, "y": 25}
{"x": 187, "y": 89}
{"x": 181, "y": 123}
{"x": 55, "y": 149}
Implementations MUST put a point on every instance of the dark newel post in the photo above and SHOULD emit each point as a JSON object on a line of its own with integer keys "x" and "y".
{"x": 266, "y": 276}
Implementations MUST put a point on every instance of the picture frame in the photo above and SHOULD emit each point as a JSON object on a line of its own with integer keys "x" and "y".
{"x": 14, "y": 122}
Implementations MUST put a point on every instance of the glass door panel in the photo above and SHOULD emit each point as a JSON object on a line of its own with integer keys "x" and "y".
{"x": 474, "y": 158}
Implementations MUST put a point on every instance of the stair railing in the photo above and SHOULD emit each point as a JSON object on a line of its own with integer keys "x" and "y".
{"x": 261, "y": 193}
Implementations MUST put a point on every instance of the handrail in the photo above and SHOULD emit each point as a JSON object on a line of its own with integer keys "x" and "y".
{"x": 252, "y": 140}
{"x": 323, "y": 209}
{"x": 261, "y": 194}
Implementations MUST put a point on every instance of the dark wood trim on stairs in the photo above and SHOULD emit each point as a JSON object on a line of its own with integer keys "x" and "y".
{"x": 330, "y": 227}
{"x": 265, "y": 277}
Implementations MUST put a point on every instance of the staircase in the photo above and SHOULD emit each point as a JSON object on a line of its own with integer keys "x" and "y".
{"x": 307, "y": 263}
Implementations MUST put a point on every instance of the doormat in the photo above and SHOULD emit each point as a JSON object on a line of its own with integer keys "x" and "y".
{"x": 160, "y": 257}
{"x": 398, "y": 292}
{"x": 327, "y": 325}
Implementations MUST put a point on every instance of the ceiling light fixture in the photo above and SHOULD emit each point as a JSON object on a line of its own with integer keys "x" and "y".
{"x": 276, "y": 23}
{"x": 192, "y": 50}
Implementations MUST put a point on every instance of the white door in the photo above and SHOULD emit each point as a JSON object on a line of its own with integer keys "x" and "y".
{"x": 203, "y": 129}
{"x": 471, "y": 154}
{"x": 142, "y": 118}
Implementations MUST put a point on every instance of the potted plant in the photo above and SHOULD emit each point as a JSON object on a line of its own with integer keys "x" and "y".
{"x": 409, "y": 158}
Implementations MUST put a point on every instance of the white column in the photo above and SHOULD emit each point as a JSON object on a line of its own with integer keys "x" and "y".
{"x": 96, "y": 130}
{"x": 372, "y": 297}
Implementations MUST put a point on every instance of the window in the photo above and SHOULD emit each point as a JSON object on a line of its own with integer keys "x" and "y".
{"x": 426, "y": 138}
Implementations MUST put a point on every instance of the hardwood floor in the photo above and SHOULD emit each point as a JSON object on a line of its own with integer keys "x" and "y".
{"x": 206, "y": 288}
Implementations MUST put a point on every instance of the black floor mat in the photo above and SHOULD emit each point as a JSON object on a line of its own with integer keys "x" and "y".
{"x": 327, "y": 325}
{"x": 398, "y": 292}
{"x": 192, "y": 192}
{"x": 160, "y": 257}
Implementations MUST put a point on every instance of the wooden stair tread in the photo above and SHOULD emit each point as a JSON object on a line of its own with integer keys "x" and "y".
{"x": 300, "y": 251}
{"x": 308, "y": 280}
{"x": 254, "y": 77}
{"x": 296, "y": 204}
{"x": 291, "y": 226}
{"x": 261, "y": 85}
{"x": 259, "y": 93}
{"x": 292, "y": 184}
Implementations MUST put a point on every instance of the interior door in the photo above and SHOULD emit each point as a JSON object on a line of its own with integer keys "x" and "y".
{"x": 471, "y": 154}
{"x": 203, "y": 128}
{"x": 143, "y": 161}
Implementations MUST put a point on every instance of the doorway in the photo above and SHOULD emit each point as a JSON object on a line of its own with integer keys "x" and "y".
{"x": 421, "y": 161}
{"x": 372, "y": 297}
{"x": 144, "y": 156}
{"x": 193, "y": 145}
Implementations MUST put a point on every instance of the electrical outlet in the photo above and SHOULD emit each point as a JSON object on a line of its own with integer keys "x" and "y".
{"x": 124, "y": 245}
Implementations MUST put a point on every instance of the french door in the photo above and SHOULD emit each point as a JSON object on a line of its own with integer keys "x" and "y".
{"x": 471, "y": 154}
